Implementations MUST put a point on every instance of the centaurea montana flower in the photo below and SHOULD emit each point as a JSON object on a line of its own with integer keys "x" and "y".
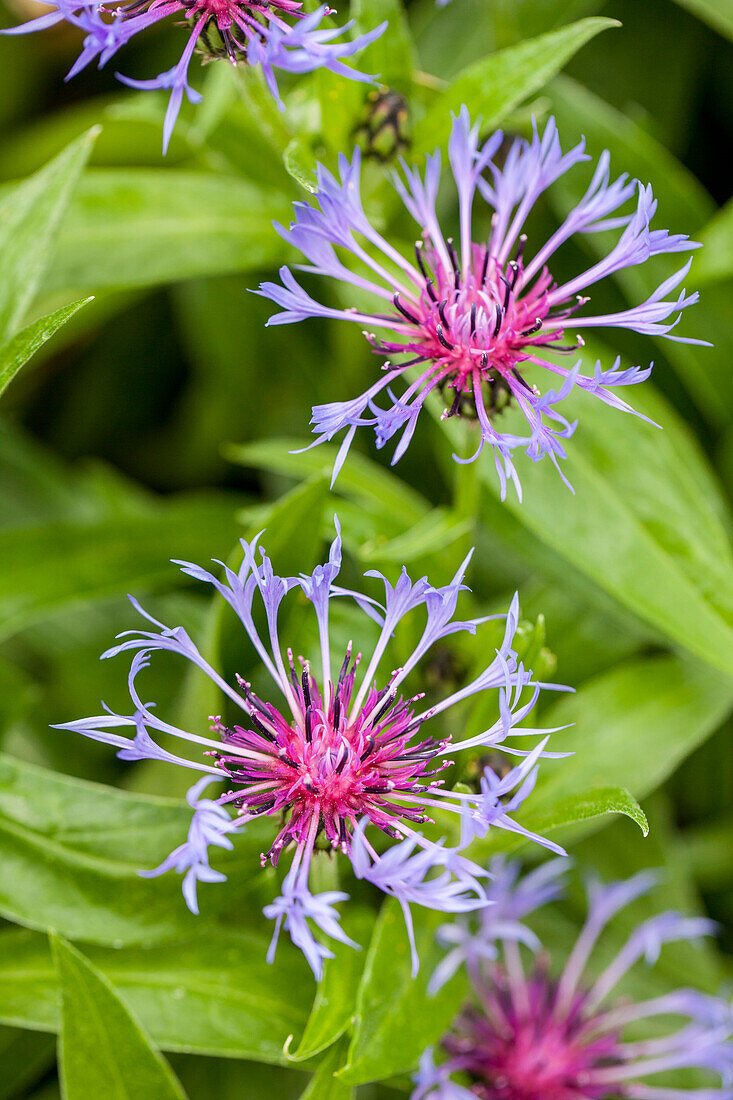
{"x": 535, "y": 1036}
{"x": 467, "y": 321}
{"x": 342, "y": 755}
{"x": 252, "y": 32}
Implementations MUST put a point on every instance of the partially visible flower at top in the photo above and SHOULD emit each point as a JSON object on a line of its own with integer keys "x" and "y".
{"x": 471, "y": 321}
{"x": 538, "y": 1037}
{"x": 252, "y": 32}
{"x": 343, "y": 756}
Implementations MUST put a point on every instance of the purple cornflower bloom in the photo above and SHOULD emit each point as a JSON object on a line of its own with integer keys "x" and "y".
{"x": 535, "y": 1036}
{"x": 467, "y": 320}
{"x": 345, "y": 752}
{"x": 253, "y": 32}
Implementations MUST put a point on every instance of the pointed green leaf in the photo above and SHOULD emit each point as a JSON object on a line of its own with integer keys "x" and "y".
{"x": 493, "y": 86}
{"x": 30, "y": 217}
{"x": 573, "y": 810}
{"x": 103, "y": 1050}
{"x": 20, "y": 348}
{"x": 392, "y": 1003}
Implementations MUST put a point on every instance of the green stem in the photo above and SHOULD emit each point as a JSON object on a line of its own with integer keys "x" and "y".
{"x": 324, "y": 874}
{"x": 466, "y": 483}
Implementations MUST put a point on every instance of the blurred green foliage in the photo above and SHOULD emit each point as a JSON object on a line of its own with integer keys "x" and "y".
{"x": 156, "y": 419}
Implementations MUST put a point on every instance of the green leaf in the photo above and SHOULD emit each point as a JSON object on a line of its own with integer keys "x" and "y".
{"x": 392, "y": 57}
{"x": 716, "y": 259}
{"x": 197, "y": 983}
{"x": 388, "y": 500}
{"x": 30, "y": 217}
{"x": 213, "y": 994}
{"x": 578, "y": 808}
{"x": 684, "y": 206}
{"x": 632, "y": 727}
{"x": 103, "y": 1051}
{"x": 645, "y": 523}
{"x": 333, "y": 1005}
{"x": 391, "y": 1003}
{"x": 52, "y": 566}
{"x": 496, "y": 84}
{"x": 716, "y": 13}
{"x": 134, "y": 228}
{"x": 230, "y": 1079}
{"x": 300, "y": 163}
{"x": 25, "y": 1057}
{"x": 545, "y": 816}
{"x": 20, "y": 348}
{"x": 323, "y": 1085}
{"x": 437, "y": 530}
{"x": 75, "y": 866}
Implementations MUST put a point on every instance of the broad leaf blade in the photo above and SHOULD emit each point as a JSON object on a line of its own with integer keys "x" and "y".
{"x": 214, "y": 994}
{"x": 635, "y": 524}
{"x": 632, "y": 726}
{"x": 576, "y": 809}
{"x": 103, "y": 1051}
{"x": 30, "y": 217}
{"x": 136, "y": 228}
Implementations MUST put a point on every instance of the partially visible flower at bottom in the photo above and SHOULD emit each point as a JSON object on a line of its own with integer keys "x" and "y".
{"x": 537, "y": 1037}
{"x": 343, "y": 754}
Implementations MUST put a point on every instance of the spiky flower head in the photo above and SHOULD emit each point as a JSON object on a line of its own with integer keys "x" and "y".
{"x": 541, "y": 1037}
{"x": 274, "y": 34}
{"x": 342, "y": 757}
{"x": 473, "y": 320}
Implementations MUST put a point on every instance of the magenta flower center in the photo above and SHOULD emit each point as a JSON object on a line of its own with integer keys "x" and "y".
{"x": 521, "y": 1048}
{"x": 324, "y": 768}
{"x": 476, "y": 327}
